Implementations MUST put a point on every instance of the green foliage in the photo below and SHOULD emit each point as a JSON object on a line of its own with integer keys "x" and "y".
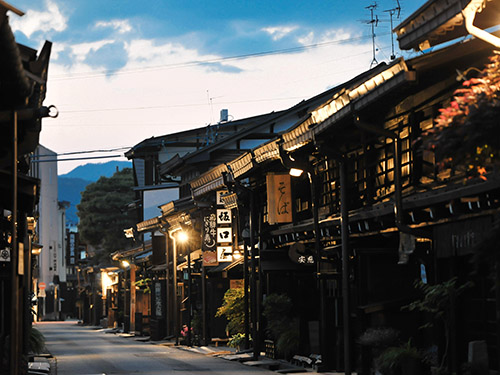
{"x": 144, "y": 285}
{"x": 282, "y": 327}
{"x": 466, "y": 135}
{"x": 438, "y": 301}
{"x": 234, "y": 310}
{"x": 36, "y": 342}
{"x": 197, "y": 322}
{"x": 277, "y": 310}
{"x": 391, "y": 359}
{"x": 236, "y": 340}
{"x": 102, "y": 212}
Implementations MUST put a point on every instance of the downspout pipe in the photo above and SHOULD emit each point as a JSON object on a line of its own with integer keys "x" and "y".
{"x": 344, "y": 224}
{"x": 469, "y": 14}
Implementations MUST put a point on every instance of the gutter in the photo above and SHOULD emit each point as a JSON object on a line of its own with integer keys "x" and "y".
{"x": 469, "y": 14}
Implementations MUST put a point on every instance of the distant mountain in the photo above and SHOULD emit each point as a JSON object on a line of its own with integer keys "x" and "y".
{"x": 70, "y": 190}
{"x": 92, "y": 171}
{"x": 72, "y": 184}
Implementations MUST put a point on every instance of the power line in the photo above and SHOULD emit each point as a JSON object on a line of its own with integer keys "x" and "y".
{"x": 73, "y": 159}
{"x": 174, "y": 106}
{"x": 81, "y": 152}
{"x": 112, "y": 72}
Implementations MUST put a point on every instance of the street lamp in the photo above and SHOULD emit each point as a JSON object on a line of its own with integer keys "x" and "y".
{"x": 183, "y": 238}
{"x": 178, "y": 235}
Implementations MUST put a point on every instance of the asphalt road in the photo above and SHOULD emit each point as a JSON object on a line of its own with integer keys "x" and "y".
{"x": 82, "y": 350}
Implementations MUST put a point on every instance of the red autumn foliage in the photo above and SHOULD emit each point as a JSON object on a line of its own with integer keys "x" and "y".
{"x": 466, "y": 134}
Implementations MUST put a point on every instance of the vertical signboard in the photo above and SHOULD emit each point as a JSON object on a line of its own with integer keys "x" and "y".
{"x": 279, "y": 198}
{"x": 224, "y": 230}
{"x": 209, "y": 240}
{"x": 158, "y": 300}
{"x": 218, "y": 197}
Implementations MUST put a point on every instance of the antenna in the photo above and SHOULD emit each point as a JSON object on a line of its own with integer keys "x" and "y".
{"x": 392, "y": 12}
{"x": 374, "y": 23}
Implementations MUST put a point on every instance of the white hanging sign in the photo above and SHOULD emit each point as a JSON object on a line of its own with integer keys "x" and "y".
{"x": 225, "y": 253}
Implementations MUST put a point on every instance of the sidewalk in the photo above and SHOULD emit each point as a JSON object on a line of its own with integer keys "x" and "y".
{"x": 245, "y": 358}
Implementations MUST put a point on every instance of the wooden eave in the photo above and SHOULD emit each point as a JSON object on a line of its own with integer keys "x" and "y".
{"x": 120, "y": 254}
{"x": 416, "y": 201}
{"x": 440, "y": 21}
{"x": 149, "y": 225}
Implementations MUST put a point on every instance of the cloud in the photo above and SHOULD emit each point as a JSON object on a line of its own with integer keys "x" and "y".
{"x": 81, "y": 50}
{"x": 327, "y": 36}
{"x": 279, "y": 32}
{"x": 44, "y": 21}
{"x": 121, "y": 26}
{"x": 160, "y": 90}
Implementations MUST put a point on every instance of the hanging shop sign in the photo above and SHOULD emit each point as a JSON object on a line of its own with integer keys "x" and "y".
{"x": 5, "y": 255}
{"x": 210, "y": 258}
{"x": 209, "y": 231}
{"x": 460, "y": 238}
{"x": 218, "y": 197}
{"x": 158, "y": 300}
{"x": 224, "y": 216}
{"x": 225, "y": 253}
{"x": 224, "y": 235}
{"x": 209, "y": 240}
{"x": 299, "y": 254}
{"x": 279, "y": 198}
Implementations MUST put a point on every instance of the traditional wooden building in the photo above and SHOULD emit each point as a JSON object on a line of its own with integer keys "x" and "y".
{"x": 23, "y": 76}
{"x": 371, "y": 212}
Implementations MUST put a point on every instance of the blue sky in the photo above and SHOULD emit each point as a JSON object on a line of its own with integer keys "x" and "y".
{"x": 122, "y": 71}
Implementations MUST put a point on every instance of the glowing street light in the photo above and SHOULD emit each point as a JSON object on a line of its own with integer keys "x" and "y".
{"x": 182, "y": 237}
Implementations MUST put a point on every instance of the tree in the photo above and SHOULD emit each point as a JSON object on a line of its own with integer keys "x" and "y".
{"x": 439, "y": 300}
{"x": 102, "y": 212}
{"x": 466, "y": 135}
{"x": 233, "y": 309}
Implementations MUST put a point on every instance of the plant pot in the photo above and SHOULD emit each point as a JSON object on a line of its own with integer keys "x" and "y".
{"x": 411, "y": 366}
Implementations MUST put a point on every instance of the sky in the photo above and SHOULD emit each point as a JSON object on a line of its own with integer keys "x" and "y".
{"x": 123, "y": 71}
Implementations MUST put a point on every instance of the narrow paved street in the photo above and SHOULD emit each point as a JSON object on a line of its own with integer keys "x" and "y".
{"x": 83, "y": 350}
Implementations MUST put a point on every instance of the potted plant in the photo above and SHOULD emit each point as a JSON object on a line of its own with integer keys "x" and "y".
{"x": 403, "y": 359}
{"x": 282, "y": 326}
{"x": 236, "y": 341}
{"x": 373, "y": 342}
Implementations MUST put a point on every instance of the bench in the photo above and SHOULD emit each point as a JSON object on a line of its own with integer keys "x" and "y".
{"x": 218, "y": 340}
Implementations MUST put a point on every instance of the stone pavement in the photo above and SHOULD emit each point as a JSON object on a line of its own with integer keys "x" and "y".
{"x": 223, "y": 352}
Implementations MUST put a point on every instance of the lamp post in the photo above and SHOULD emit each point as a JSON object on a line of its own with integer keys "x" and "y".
{"x": 174, "y": 277}
{"x": 183, "y": 238}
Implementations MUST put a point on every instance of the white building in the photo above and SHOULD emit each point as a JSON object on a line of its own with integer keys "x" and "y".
{"x": 50, "y": 230}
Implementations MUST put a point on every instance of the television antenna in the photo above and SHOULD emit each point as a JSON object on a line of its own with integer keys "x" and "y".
{"x": 374, "y": 23}
{"x": 392, "y": 12}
